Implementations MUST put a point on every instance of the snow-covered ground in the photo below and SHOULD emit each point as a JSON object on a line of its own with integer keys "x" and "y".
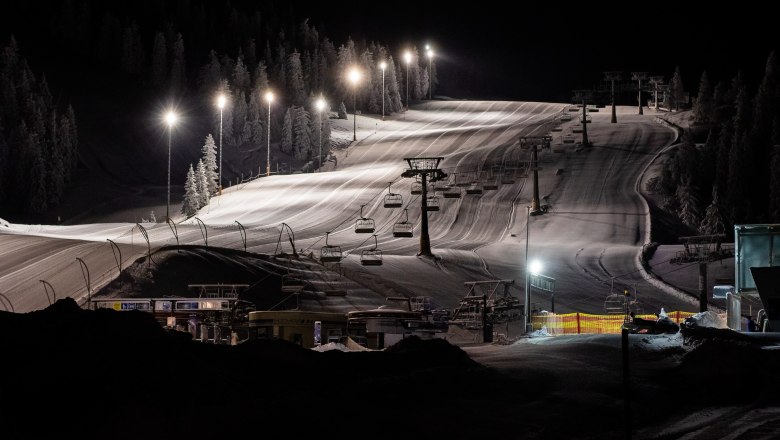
{"x": 588, "y": 241}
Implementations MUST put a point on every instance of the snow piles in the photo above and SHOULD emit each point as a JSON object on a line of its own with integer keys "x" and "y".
{"x": 4, "y": 224}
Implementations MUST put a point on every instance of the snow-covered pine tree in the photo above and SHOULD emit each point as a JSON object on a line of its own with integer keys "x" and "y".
{"x": 295, "y": 86}
{"x": 202, "y": 185}
{"x": 191, "y": 202}
{"x": 689, "y": 204}
{"x": 209, "y": 152}
{"x": 287, "y": 131}
{"x": 210, "y": 74}
{"x": 241, "y": 130}
{"x": 302, "y": 144}
{"x": 392, "y": 91}
{"x": 342, "y": 111}
{"x": 712, "y": 223}
{"x": 241, "y": 79}
{"x": 325, "y": 128}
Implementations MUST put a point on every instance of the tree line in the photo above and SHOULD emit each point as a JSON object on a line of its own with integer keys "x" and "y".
{"x": 734, "y": 176}
{"x": 38, "y": 138}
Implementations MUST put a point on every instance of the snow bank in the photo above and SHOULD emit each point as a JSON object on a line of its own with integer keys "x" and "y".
{"x": 542, "y": 332}
{"x": 330, "y": 346}
{"x": 708, "y": 319}
{"x": 4, "y": 224}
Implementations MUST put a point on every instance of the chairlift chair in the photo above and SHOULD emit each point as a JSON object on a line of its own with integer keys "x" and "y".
{"x": 567, "y": 139}
{"x": 330, "y": 253}
{"x": 433, "y": 203}
{"x": 364, "y": 225}
{"x": 574, "y": 109}
{"x": 475, "y": 187}
{"x": 577, "y": 129}
{"x": 566, "y": 117}
{"x": 371, "y": 257}
{"x": 292, "y": 284}
{"x": 452, "y": 191}
{"x": 416, "y": 188}
{"x": 588, "y": 119}
{"x": 403, "y": 228}
{"x": 507, "y": 176}
{"x": 556, "y": 129}
{"x": 393, "y": 200}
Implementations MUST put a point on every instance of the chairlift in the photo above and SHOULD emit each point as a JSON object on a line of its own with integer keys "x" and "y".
{"x": 507, "y": 175}
{"x": 462, "y": 183}
{"x": 475, "y": 187}
{"x": 364, "y": 225}
{"x": 416, "y": 187}
{"x": 393, "y": 200}
{"x": 330, "y": 253}
{"x": 371, "y": 257}
{"x": 576, "y": 129}
{"x": 567, "y": 139}
{"x": 403, "y": 228}
{"x": 556, "y": 129}
{"x": 452, "y": 191}
{"x": 432, "y": 203}
{"x": 588, "y": 119}
{"x": 292, "y": 284}
{"x": 574, "y": 109}
{"x": 565, "y": 117}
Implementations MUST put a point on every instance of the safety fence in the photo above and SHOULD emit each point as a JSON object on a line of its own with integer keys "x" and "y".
{"x": 576, "y": 323}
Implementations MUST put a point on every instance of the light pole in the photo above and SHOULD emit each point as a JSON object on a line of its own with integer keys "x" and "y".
{"x": 613, "y": 76}
{"x": 269, "y": 96}
{"x": 354, "y": 77}
{"x": 527, "y": 302}
{"x": 221, "y": 104}
{"x": 320, "y": 104}
{"x": 639, "y": 76}
{"x": 429, "y": 51}
{"x": 170, "y": 119}
{"x": 408, "y": 59}
{"x": 383, "y": 66}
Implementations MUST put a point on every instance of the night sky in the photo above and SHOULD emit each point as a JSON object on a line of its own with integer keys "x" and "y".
{"x": 525, "y": 51}
{"x": 543, "y": 52}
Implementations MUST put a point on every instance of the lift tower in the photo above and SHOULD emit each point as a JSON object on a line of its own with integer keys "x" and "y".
{"x": 428, "y": 169}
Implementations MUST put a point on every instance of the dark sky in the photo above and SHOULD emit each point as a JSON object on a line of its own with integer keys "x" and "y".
{"x": 541, "y": 51}
{"x": 521, "y": 50}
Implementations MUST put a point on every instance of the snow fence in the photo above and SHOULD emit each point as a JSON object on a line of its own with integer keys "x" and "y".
{"x": 576, "y": 323}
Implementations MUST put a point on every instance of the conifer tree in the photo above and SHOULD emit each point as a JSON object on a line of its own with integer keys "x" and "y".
{"x": 342, "y": 113}
{"x": 159, "y": 60}
{"x": 689, "y": 204}
{"x": 302, "y": 144}
{"x": 295, "y": 87}
{"x": 703, "y": 108}
{"x": 287, "y": 131}
{"x": 209, "y": 152}
{"x": 712, "y": 223}
{"x": 191, "y": 202}
{"x": 676, "y": 89}
{"x": 178, "y": 75}
{"x": 202, "y": 185}
{"x": 241, "y": 129}
{"x": 241, "y": 80}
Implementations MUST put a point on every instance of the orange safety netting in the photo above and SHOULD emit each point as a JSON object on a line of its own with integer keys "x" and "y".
{"x": 575, "y": 323}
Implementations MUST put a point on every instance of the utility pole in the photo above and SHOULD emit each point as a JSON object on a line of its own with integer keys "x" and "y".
{"x": 639, "y": 76}
{"x": 612, "y": 77}
{"x": 424, "y": 167}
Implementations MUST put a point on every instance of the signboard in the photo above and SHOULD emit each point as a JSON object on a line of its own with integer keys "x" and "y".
{"x": 542, "y": 282}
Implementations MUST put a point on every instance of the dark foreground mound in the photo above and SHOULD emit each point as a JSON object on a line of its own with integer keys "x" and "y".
{"x": 71, "y": 373}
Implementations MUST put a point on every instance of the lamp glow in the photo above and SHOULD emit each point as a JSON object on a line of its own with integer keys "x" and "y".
{"x": 535, "y": 267}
